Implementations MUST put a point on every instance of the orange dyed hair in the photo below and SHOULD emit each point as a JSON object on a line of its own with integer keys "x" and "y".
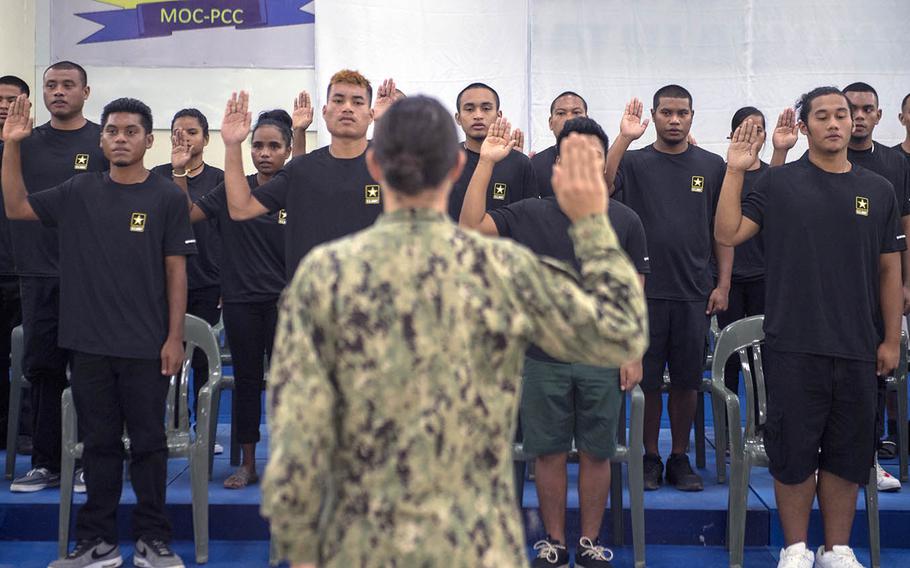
{"x": 350, "y": 77}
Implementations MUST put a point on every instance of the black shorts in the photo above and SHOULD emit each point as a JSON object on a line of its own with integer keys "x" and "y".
{"x": 821, "y": 415}
{"x": 679, "y": 332}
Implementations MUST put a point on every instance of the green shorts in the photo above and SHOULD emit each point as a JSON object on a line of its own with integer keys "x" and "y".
{"x": 565, "y": 401}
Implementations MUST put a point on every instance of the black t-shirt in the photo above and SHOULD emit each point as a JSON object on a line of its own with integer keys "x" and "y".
{"x": 542, "y": 162}
{"x": 326, "y": 198}
{"x": 675, "y": 195}
{"x": 890, "y": 165}
{"x": 49, "y": 158}
{"x": 252, "y": 260}
{"x": 903, "y": 152}
{"x": 823, "y": 234}
{"x": 113, "y": 283}
{"x": 749, "y": 257}
{"x": 7, "y": 263}
{"x": 201, "y": 269}
{"x": 512, "y": 180}
{"x": 540, "y": 225}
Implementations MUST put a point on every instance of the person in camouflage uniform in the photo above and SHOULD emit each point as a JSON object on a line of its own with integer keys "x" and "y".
{"x": 395, "y": 377}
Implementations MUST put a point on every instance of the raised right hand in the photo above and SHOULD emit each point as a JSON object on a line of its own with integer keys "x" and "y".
{"x": 744, "y": 145}
{"x": 237, "y": 119}
{"x": 631, "y": 125}
{"x": 18, "y": 124}
{"x": 577, "y": 180}
{"x": 787, "y": 131}
{"x": 181, "y": 150}
{"x": 499, "y": 141}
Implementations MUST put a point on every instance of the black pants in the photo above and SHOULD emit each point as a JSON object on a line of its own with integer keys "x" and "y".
{"x": 746, "y": 299}
{"x": 250, "y": 331}
{"x": 110, "y": 392}
{"x": 44, "y": 364}
{"x": 202, "y": 302}
{"x": 10, "y": 317}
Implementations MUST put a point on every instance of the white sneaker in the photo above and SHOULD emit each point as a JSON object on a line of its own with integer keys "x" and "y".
{"x": 838, "y": 557}
{"x": 886, "y": 481}
{"x": 219, "y": 449}
{"x": 796, "y": 556}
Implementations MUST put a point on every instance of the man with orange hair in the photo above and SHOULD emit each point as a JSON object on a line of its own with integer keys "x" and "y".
{"x": 327, "y": 193}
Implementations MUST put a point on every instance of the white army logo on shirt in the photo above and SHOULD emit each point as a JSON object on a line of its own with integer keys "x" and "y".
{"x": 282, "y": 216}
{"x": 698, "y": 184}
{"x": 81, "y": 162}
{"x": 371, "y": 194}
{"x": 862, "y": 206}
{"x": 499, "y": 191}
{"x": 137, "y": 222}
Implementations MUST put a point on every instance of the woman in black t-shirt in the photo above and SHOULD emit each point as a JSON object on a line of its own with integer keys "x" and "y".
{"x": 252, "y": 278}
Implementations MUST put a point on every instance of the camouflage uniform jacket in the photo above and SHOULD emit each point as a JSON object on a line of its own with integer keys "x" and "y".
{"x": 395, "y": 381}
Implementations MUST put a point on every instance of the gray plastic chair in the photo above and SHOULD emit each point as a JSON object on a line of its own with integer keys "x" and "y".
{"x": 227, "y": 382}
{"x": 631, "y": 455}
{"x": 17, "y": 383}
{"x": 748, "y": 448}
{"x": 181, "y": 443}
{"x": 898, "y": 383}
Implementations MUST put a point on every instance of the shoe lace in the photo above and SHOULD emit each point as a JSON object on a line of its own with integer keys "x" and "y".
{"x": 843, "y": 556}
{"x": 160, "y": 547}
{"x": 82, "y": 547}
{"x": 595, "y": 551}
{"x": 35, "y": 471}
{"x": 546, "y": 549}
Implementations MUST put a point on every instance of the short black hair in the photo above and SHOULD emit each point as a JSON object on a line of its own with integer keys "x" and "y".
{"x": 584, "y": 103}
{"x": 671, "y": 92}
{"x": 904, "y": 102}
{"x": 15, "y": 82}
{"x": 67, "y": 65}
{"x": 860, "y": 87}
{"x": 476, "y": 86}
{"x": 415, "y": 144}
{"x": 583, "y": 125}
{"x": 130, "y": 106}
{"x": 280, "y": 119}
{"x": 744, "y": 113}
{"x": 195, "y": 113}
{"x": 804, "y": 104}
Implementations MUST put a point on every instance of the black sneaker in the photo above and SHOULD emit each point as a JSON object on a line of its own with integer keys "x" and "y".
{"x": 592, "y": 554}
{"x": 155, "y": 553}
{"x": 653, "y": 471}
{"x": 888, "y": 448}
{"x": 681, "y": 475}
{"x": 550, "y": 554}
{"x": 90, "y": 554}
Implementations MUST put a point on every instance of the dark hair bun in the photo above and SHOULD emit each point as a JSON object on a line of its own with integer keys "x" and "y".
{"x": 405, "y": 172}
{"x": 276, "y": 115}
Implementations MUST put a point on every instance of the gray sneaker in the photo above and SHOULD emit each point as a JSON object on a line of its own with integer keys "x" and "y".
{"x": 155, "y": 553}
{"x": 90, "y": 554}
{"x": 35, "y": 480}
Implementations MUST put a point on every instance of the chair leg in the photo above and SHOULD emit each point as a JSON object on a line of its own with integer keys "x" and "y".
{"x": 737, "y": 509}
{"x": 700, "y": 431}
{"x": 199, "y": 478}
{"x": 720, "y": 437}
{"x": 871, "y": 493}
{"x": 636, "y": 475}
{"x": 902, "y": 431}
{"x": 12, "y": 423}
{"x": 213, "y": 428}
{"x": 67, "y": 470}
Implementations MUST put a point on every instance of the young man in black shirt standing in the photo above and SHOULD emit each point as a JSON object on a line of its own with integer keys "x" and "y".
{"x": 10, "y": 307}
{"x": 565, "y": 106}
{"x": 904, "y": 117}
{"x": 327, "y": 193}
{"x": 124, "y": 239}
{"x": 67, "y": 145}
{"x": 673, "y": 186}
{"x": 563, "y": 401}
{"x": 834, "y": 228}
{"x": 513, "y": 178}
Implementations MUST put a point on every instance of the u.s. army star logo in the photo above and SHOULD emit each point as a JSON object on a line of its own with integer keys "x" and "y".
{"x": 81, "y": 162}
{"x": 371, "y": 194}
{"x": 698, "y": 184}
{"x": 137, "y": 222}
{"x": 499, "y": 191}
{"x": 862, "y": 206}
{"x": 282, "y": 217}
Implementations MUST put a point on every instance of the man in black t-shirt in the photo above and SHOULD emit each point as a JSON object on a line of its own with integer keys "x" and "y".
{"x": 10, "y": 307}
{"x": 563, "y": 401}
{"x": 904, "y": 117}
{"x": 327, "y": 193}
{"x": 832, "y": 238}
{"x": 673, "y": 186}
{"x": 124, "y": 239}
{"x": 565, "y": 106}
{"x": 513, "y": 177}
{"x": 67, "y": 145}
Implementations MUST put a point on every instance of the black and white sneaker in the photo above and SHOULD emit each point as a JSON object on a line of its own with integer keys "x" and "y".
{"x": 35, "y": 480}
{"x": 592, "y": 554}
{"x": 79, "y": 481}
{"x": 550, "y": 554}
{"x": 155, "y": 553}
{"x": 90, "y": 554}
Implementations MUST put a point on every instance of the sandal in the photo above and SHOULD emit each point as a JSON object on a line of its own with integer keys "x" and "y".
{"x": 240, "y": 479}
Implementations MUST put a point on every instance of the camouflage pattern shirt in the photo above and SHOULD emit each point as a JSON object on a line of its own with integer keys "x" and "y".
{"x": 395, "y": 383}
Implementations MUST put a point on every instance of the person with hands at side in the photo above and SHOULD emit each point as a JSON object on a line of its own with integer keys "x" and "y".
{"x": 583, "y": 401}
{"x": 566, "y": 106}
{"x": 124, "y": 240}
{"x": 827, "y": 338}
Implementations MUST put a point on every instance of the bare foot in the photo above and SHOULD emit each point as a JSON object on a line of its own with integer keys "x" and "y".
{"x": 241, "y": 478}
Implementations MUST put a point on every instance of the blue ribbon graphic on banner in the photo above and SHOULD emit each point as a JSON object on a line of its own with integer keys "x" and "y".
{"x": 158, "y": 19}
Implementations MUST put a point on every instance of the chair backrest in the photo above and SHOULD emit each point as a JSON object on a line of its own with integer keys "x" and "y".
{"x": 197, "y": 334}
{"x": 739, "y": 338}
